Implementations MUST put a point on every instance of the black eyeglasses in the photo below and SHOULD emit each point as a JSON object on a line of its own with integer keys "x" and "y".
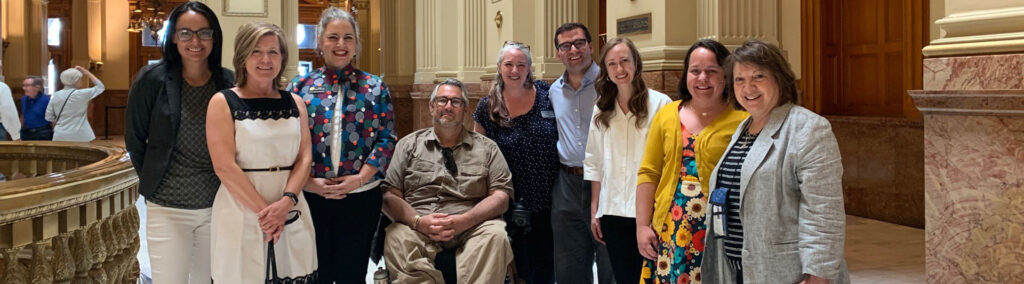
{"x": 579, "y": 44}
{"x": 186, "y": 34}
{"x": 516, "y": 43}
{"x": 449, "y": 161}
{"x": 441, "y": 101}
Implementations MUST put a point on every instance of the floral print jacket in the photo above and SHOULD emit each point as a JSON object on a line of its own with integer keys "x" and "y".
{"x": 367, "y": 119}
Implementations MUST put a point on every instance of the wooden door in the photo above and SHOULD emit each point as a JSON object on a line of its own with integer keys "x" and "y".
{"x": 864, "y": 55}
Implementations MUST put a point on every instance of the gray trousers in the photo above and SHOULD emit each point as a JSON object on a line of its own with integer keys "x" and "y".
{"x": 575, "y": 246}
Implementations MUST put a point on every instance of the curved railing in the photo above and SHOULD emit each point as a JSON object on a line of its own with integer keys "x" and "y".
{"x": 72, "y": 204}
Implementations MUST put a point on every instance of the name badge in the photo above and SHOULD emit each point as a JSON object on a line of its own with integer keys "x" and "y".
{"x": 317, "y": 90}
{"x": 719, "y": 207}
{"x": 547, "y": 114}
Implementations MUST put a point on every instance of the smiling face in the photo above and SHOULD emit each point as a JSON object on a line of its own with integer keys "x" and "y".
{"x": 514, "y": 68}
{"x": 705, "y": 78}
{"x": 574, "y": 59}
{"x": 338, "y": 43}
{"x": 264, "y": 63}
{"x": 448, "y": 115}
{"x": 194, "y": 50}
{"x": 620, "y": 65}
{"x": 756, "y": 89}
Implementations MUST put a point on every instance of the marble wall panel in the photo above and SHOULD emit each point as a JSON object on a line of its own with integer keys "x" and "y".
{"x": 987, "y": 72}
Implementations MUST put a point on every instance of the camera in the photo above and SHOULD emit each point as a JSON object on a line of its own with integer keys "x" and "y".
{"x": 518, "y": 218}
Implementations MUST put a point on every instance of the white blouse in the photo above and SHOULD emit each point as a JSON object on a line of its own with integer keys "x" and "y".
{"x": 614, "y": 154}
{"x": 74, "y": 122}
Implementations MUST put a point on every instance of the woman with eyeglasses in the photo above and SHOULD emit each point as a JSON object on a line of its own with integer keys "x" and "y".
{"x": 517, "y": 114}
{"x": 165, "y": 134}
{"x": 352, "y": 126}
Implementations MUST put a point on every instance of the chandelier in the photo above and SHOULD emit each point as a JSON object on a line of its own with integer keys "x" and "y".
{"x": 151, "y": 18}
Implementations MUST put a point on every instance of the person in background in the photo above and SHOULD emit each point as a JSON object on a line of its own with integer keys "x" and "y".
{"x": 573, "y": 97}
{"x": 779, "y": 185}
{"x": 622, "y": 117}
{"x": 686, "y": 139}
{"x": 8, "y": 113}
{"x": 68, "y": 108}
{"x": 33, "y": 111}
{"x": 352, "y": 134}
{"x": 517, "y": 115}
{"x": 165, "y": 135}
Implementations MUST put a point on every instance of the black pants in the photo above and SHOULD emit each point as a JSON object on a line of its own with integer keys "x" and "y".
{"x": 43, "y": 133}
{"x": 575, "y": 247}
{"x": 344, "y": 231}
{"x": 533, "y": 251}
{"x": 620, "y": 239}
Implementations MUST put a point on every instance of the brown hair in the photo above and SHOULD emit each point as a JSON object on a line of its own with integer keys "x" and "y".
{"x": 245, "y": 42}
{"x": 765, "y": 56}
{"x": 607, "y": 91}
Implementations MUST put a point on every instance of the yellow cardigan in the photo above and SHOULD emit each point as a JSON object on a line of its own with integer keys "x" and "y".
{"x": 664, "y": 153}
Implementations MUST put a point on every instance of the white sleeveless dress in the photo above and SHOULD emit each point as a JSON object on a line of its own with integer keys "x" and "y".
{"x": 267, "y": 135}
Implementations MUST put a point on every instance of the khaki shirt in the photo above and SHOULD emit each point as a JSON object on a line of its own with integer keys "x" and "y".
{"x": 417, "y": 170}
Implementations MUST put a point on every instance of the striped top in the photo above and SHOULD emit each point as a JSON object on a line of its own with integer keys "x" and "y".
{"x": 729, "y": 178}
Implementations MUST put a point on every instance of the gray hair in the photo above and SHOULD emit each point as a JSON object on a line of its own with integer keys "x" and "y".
{"x": 451, "y": 82}
{"x": 70, "y": 77}
{"x": 529, "y": 63}
{"x": 332, "y": 14}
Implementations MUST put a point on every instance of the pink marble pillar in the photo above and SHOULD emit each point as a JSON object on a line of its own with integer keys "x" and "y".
{"x": 973, "y": 110}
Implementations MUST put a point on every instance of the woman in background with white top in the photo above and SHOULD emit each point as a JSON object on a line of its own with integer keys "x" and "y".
{"x": 615, "y": 146}
{"x": 68, "y": 108}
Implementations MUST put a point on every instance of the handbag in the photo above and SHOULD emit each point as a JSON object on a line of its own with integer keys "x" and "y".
{"x": 271, "y": 272}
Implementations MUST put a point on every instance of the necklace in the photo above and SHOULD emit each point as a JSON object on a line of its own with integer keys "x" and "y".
{"x": 746, "y": 138}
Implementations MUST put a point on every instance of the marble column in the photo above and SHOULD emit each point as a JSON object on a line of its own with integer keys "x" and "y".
{"x": 973, "y": 110}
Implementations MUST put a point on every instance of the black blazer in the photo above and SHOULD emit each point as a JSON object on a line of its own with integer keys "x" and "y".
{"x": 152, "y": 118}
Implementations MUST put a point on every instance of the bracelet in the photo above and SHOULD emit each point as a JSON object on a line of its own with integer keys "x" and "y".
{"x": 361, "y": 183}
{"x": 295, "y": 199}
{"x": 416, "y": 222}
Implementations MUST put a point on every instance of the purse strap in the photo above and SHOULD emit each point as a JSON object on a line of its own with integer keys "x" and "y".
{"x": 63, "y": 105}
{"x": 271, "y": 271}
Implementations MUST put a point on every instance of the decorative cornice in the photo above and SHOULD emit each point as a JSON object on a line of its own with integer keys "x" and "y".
{"x": 979, "y": 32}
{"x": 974, "y": 103}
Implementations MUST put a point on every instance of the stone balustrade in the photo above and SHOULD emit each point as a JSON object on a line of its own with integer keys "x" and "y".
{"x": 67, "y": 214}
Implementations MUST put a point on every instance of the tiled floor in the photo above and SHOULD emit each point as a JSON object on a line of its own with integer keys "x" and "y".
{"x": 876, "y": 252}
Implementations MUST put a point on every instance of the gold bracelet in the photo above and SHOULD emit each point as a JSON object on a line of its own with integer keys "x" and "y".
{"x": 416, "y": 222}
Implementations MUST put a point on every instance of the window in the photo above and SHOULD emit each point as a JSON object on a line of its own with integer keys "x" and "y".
{"x": 53, "y": 29}
{"x": 51, "y": 78}
{"x": 305, "y": 36}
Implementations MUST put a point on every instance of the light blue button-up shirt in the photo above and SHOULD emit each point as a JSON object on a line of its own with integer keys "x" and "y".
{"x": 573, "y": 111}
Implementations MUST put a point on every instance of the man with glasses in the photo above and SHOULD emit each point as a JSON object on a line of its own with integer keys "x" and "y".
{"x": 9, "y": 120}
{"x": 573, "y": 97}
{"x": 446, "y": 189}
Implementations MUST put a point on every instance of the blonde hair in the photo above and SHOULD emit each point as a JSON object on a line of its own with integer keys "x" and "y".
{"x": 245, "y": 43}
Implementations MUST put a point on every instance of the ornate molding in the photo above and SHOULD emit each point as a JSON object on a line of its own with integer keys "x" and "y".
{"x": 979, "y": 32}
{"x": 974, "y": 103}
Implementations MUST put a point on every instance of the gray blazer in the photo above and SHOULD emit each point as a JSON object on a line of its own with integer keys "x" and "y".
{"x": 791, "y": 204}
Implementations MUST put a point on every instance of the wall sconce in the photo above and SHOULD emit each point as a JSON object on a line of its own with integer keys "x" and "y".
{"x": 95, "y": 65}
{"x": 498, "y": 19}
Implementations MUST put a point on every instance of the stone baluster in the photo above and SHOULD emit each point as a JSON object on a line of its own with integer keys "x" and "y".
{"x": 99, "y": 253}
{"x": 14, "y": 271}
{"x": 63, "y": 264}
{"x": 42, "y": 273}
{"x": 82, "y": 254}
{"x": 135, "y": 270}
{"x": 106, "y": 229}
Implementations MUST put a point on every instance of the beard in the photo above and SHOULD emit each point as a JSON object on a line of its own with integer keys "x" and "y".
{"x": 451, "y": 120}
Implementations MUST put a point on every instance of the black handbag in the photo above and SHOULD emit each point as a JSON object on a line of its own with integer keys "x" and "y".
{"x": 271, "y": 273}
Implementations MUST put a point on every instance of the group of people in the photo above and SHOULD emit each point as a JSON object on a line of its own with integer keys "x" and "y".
{"x": 62, "y": 116}
{"x": 732, "y": 183}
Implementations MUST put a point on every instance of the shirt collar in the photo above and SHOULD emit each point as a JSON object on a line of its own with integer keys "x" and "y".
{"x": 466, "y": 139}
{"x": 588, "y": 78}
{"x": 348, "y": 72}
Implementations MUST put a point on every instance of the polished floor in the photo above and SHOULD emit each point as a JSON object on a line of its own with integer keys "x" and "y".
{"x": 876, "y": 252}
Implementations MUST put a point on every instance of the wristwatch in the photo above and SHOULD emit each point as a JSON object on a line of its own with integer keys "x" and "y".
{"x": 294, "y": 198}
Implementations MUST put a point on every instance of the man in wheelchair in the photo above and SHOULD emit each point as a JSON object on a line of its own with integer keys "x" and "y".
{"x": 447, "y": 188}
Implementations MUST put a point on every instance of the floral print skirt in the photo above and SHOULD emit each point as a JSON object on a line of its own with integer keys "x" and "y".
{"x": 681, "y": 238}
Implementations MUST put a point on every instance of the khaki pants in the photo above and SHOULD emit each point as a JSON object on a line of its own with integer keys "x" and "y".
{"x": 482, "y": 254}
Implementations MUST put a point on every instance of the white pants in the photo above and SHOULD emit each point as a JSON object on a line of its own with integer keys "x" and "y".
{"x": 179, "y": 244}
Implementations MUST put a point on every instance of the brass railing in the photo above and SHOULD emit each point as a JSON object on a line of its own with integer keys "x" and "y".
{"x": 73, "y": 205}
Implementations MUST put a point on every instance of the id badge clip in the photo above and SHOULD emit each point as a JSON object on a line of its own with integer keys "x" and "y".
{"x": 719, "y": 208}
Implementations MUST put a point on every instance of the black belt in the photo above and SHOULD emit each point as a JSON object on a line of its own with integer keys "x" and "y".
{"x": 271, "y": 169}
